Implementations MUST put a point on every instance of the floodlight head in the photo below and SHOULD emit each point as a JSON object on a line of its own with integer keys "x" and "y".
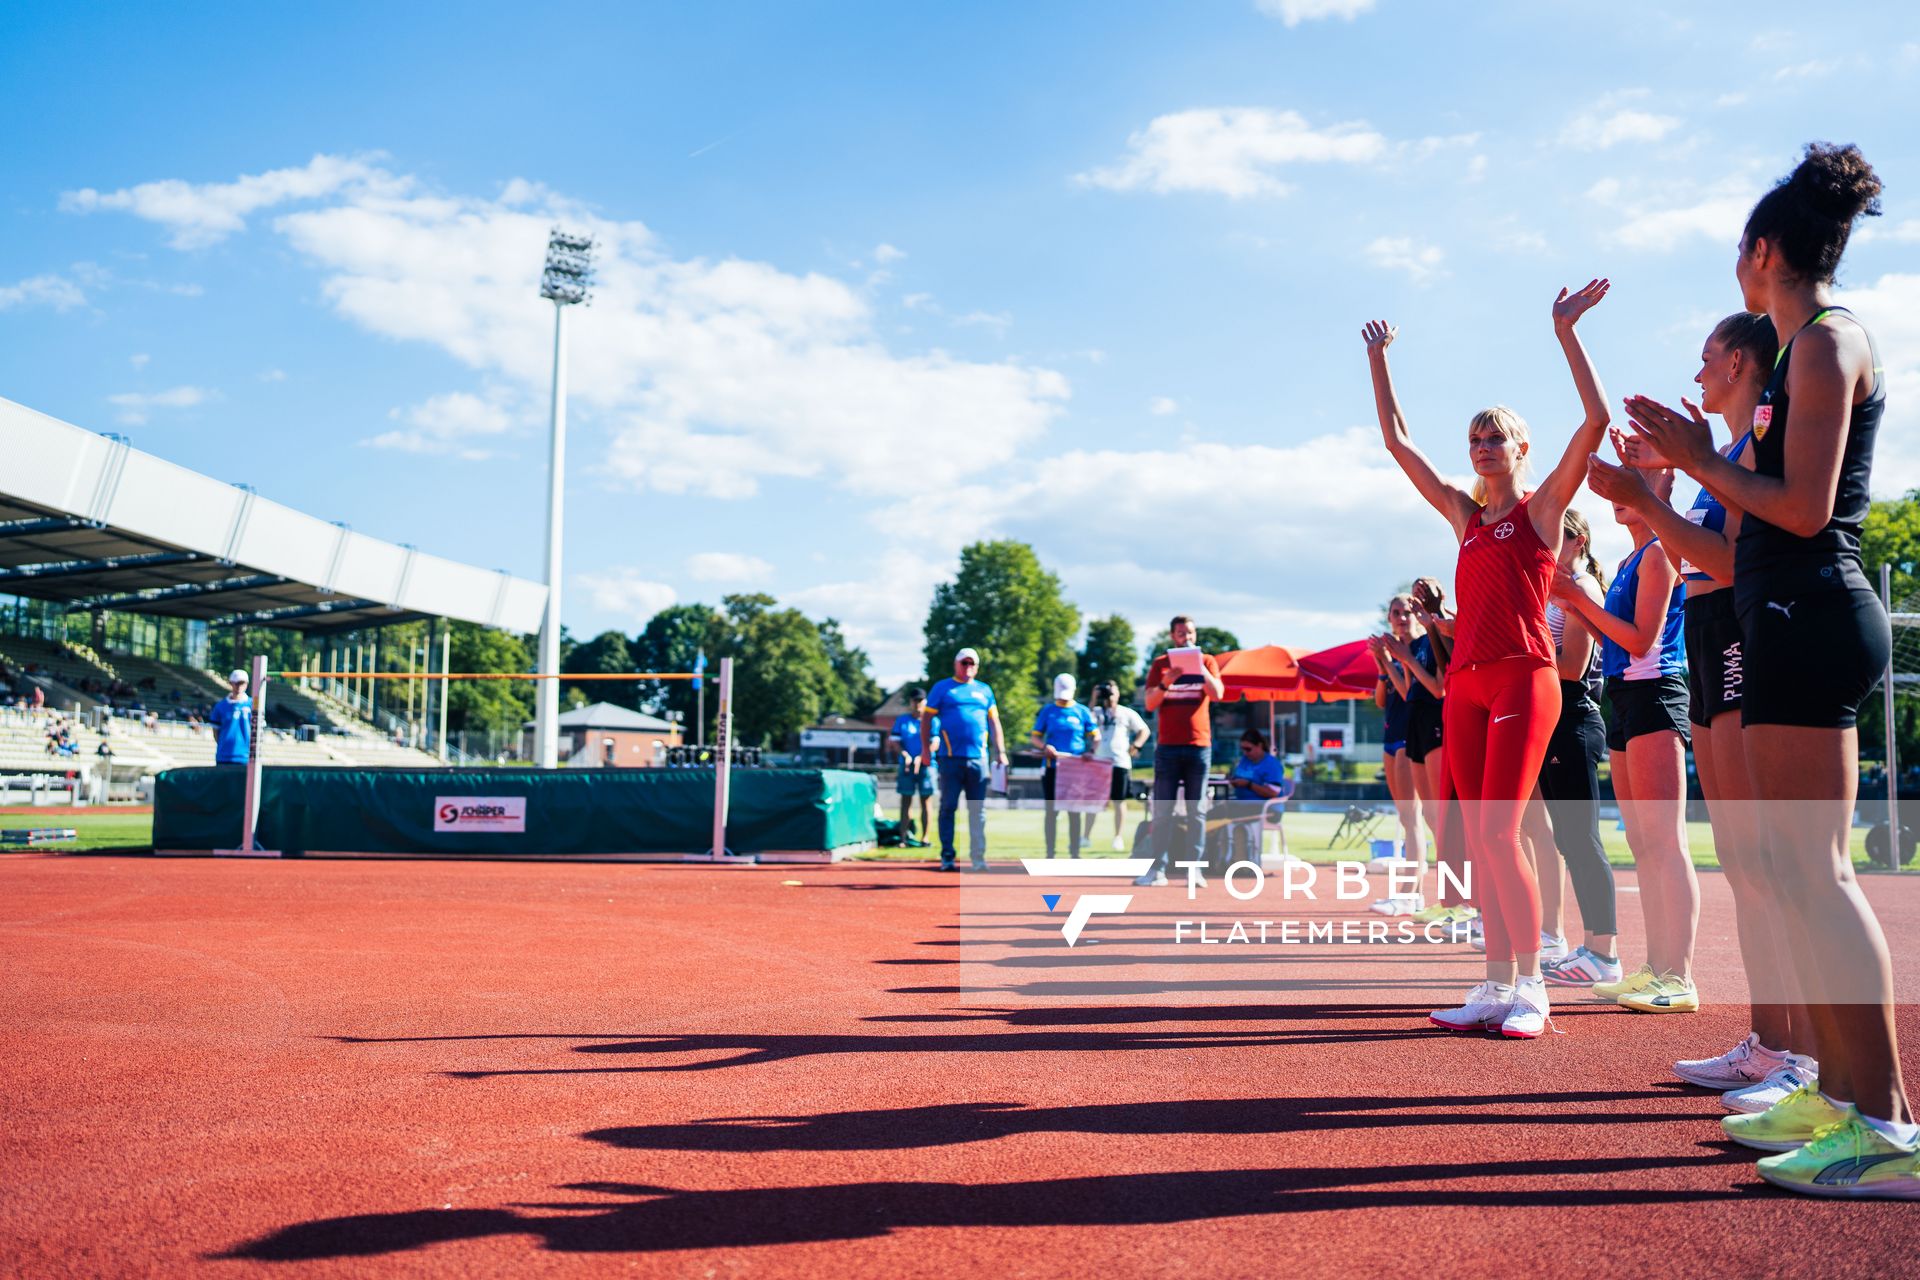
{"x": 569, "y": 268}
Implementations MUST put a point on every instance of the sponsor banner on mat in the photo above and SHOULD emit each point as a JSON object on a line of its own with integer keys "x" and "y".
{"x": 480, "y": 813}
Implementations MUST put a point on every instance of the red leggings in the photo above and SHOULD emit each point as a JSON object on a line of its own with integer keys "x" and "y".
{"x": 1449, "y": 834}
{"x": 1498, "y": 718}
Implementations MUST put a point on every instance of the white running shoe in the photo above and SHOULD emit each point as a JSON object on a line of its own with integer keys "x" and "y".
{"x": 1459, "y": 929}
{"x": 1581, "y": 968}
{"x": 1477, "y": 935}
{"x": 1528, "y": 1015}
{"x": 1153, "y": 879}
{"x": 1552, "y": 948}
{"x": 1487, "y": 1005}
{"x": 1748, "y": 1062}
{"x": 1118, "y": 843}
{"x": 1756, "y": 1098}
{"x": 1395, "y": 906}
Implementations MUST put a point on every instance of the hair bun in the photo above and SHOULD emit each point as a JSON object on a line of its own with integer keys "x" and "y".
{"x": 1837, "y": 181}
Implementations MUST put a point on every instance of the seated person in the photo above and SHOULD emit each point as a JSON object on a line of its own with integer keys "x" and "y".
{"x": 1257, "y": 777}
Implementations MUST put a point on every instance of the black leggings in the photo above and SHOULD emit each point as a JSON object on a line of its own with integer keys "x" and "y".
{"x": 1570, "y": 784}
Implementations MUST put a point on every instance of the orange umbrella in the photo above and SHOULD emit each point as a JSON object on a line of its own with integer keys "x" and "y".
{"x": 1261, "y": 674}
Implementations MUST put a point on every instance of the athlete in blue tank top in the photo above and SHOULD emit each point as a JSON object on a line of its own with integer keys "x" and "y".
{"x": 1667, "y": 656}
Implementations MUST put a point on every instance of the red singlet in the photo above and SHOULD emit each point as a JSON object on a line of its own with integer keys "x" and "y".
{"x": 1502, "y": 581}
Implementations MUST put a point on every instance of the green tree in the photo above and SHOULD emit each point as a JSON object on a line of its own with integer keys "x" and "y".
{"x": 672, "y": 639}
{"x": 605, "y": 654}
{"x": 1110, "y": 655}
{"x": 858, "y": 694}
{"x": 479, "y": 705}
{"x": 783, "y": 677}
{"x": 1215, "y": 640}
{"x": 1005, "y": 604}
{"x": 1891, "y": 536}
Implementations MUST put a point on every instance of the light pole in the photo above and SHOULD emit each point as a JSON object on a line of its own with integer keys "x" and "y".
{"x": 569, "y": 269}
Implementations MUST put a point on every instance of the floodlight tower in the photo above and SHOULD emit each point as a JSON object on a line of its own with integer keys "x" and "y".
{"x": 568, "y": 272}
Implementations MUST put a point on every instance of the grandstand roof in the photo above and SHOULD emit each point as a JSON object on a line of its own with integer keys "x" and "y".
{"x": 87, "y": 519}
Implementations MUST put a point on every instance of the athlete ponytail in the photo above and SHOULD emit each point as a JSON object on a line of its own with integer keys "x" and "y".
{"x": 1574, "y": 525}
{"x": 1751, "y": 334}
{"x": 1810, "y": 213}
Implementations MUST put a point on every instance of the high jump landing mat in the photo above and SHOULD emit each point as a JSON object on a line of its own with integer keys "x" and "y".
{"x": 773, "y": 815}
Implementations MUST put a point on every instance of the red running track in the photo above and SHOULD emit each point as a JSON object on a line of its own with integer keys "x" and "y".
{"x": 454, "y": 1069}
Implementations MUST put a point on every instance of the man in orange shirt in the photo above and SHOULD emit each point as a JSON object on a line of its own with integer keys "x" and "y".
{"x": 1181, "y": 686}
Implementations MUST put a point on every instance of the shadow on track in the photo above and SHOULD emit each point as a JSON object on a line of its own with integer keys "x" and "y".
{"x": 637, "y": 1218}
{"x": 950, "y": 1124}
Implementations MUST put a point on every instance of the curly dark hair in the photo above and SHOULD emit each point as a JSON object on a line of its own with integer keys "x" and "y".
{"x": 1810, "y": 213}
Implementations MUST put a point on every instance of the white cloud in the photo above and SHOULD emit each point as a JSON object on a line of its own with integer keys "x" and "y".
{"x": 135, "y": 406}
{"x": 625, "y": 593}
{"x": 728, "y": 567}
{"x": 885, "y": 253}
{"x": 1811, "y": 69}
{"x": 1661, "y": 219}
{"x": 1477, "y": 168}
{"x": 447, "y": 425}
{"x": 139, "y": 359}
{"x": 998, "y": 321}
{"x": 1890, "y": 308}
{"x": 273, "y": 375}
{"x": 1906, "y": 232}
{"x": 709, "y": 376}
{"x": 1610, "y": 122}
{"x": 1163, "y": 406}
{"x": 1422, "y": 262}
{"x": 204, "y": 213}
{"x": 1235, "y": 151}
{"x": 51, "y": 291}
{"x": 1295, "y": 12}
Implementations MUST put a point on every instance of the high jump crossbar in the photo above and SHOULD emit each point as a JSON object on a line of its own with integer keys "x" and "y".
{"x": 723, "y": 741}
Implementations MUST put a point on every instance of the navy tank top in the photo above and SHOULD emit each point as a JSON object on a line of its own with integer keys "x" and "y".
{"x": 1767, "y": 559}
{"x": 1708, "y": 512}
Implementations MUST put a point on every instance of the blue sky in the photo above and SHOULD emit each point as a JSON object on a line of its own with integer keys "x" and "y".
{"x": 881, "y": 279}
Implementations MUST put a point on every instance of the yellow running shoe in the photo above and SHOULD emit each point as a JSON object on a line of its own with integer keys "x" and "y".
{"x": 1643, "y": 976}
{"x": 1789, "y": 1123}
{"x": 1669, "y": 994}
{"x": 1850, "y": 1159}
{"x": 1434, "y": 913}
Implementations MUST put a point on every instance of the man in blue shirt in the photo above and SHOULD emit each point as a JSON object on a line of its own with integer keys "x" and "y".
{"x": 969, "y": 723}
{"x": 1064, "y": 728}
{"x": 232, "y": 721}
{"x": 914, "y": 779}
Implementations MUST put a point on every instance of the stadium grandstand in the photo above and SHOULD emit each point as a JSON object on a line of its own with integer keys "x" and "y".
{"x": 123, "y": 576}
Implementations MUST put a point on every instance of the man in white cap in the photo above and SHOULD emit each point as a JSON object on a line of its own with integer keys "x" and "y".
{"x": 969, "y": 725}
{"x": 1064, "y": 728}
{"x": 232, "y": 721}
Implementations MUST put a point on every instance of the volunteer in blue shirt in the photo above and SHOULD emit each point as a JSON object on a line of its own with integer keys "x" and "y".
{"x": 1257, "y": 777}
{"x": 914, "y": 779}
{"x": 969, "y": 726}
{"x": 232, "y": 721}
{"x": 1064, "y": 728}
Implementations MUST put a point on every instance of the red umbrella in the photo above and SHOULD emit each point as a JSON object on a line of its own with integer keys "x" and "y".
{"x": 1344, "y": 671}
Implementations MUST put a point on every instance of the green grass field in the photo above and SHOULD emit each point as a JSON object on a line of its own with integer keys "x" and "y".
{"x": 1016, "y": 833}
{"x": 97, "y": 830}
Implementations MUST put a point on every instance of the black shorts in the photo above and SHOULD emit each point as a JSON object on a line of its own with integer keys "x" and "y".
{"x": 1423, "y": 728}
{"x": 1714, "y": 669}
{"x": 1122, "y": 782}
{"x": 1641, "y": 707}
{"x": 1812, "y": 660}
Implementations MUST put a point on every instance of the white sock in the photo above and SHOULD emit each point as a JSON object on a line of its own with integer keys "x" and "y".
{"x": 1904, "y": 1134}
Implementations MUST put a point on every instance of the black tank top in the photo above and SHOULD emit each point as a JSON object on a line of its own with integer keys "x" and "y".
{"x": 1767, "y": 560}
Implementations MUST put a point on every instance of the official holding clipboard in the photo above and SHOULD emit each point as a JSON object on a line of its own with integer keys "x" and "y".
{"x": 1181, "y": 685}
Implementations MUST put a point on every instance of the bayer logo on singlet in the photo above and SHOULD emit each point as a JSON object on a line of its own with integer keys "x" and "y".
{"x": 1503, "y": 530}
